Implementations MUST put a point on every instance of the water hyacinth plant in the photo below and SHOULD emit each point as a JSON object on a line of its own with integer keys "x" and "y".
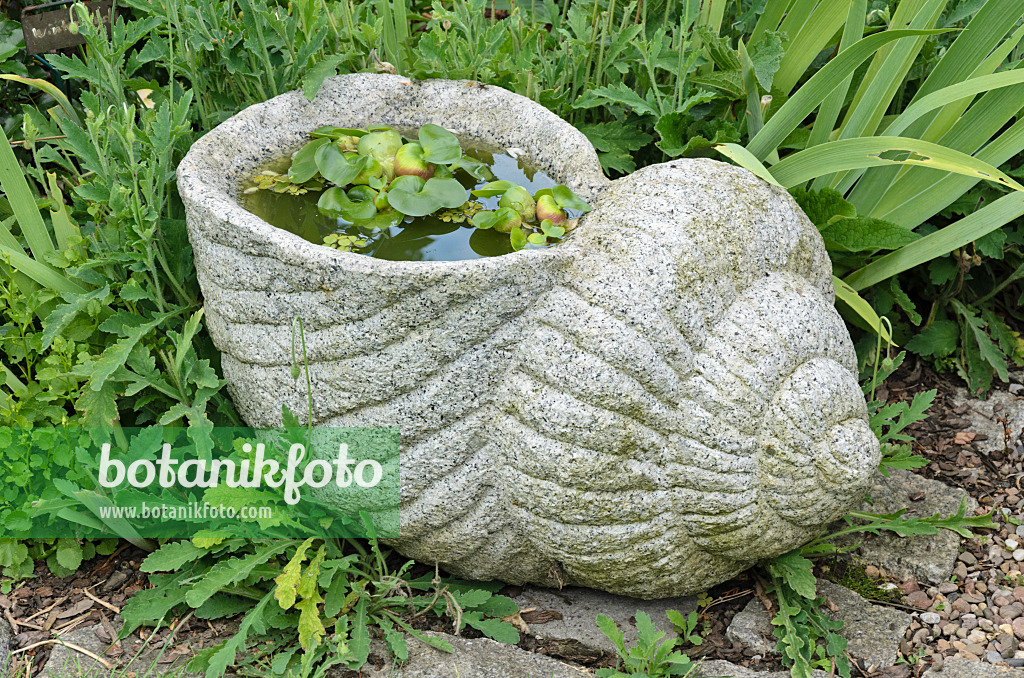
{"x": 374, "y": 178}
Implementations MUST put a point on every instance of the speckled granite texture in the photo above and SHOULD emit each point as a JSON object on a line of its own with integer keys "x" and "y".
{"x": 647, "y": 408}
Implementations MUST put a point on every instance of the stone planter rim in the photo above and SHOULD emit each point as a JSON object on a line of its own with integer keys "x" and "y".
{"x": 202, "y": 179}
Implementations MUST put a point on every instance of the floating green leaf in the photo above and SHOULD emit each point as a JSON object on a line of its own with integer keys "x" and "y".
{"x": 439, "y": 145}
{"x": 304, "y": 165}
{"x": 435, "y": 194}
{"x": 566, "y": 199}
{"x": 338, "y": 167}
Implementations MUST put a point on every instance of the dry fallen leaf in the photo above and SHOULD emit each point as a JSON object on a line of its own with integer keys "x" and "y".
{"x": 964, "y": 437}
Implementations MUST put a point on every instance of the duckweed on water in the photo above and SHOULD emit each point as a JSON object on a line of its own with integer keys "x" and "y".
{"x": 373, "y": 192}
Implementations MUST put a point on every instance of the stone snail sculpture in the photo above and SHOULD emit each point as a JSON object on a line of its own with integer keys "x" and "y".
{"x": 648, "y": 408}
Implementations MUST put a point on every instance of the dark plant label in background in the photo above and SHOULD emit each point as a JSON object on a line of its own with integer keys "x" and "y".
{"x": 48, "y": 31}
{"x": 220, "y": 482}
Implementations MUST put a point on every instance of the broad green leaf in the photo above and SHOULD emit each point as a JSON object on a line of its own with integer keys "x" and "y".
{"x": 62, "y": 316}
{"x": 486, "y": 219}
{"x": 335, "y": 166}
{"x": 493, "y": 188}
{"x": 304, "y": 166}
{"x": 880, "y": 151}
{"x": 335, "y": 203}
{"x": 798, "y": 573}
{"x": 566, "y": 199}
{"x": 672, "y": 127}
{"x": 69, "y": 554}
{"x": 315, "y": 76}
{"x": 975, "y": 328}
{"x": 863, "y": 234}
{"x": 615, "y": 137}
{"x": 435, "y": 194}
{"x": 222, "y": 605}
{"x": 721, "y": 52}
{"x": 439, "y": 145}
{"x": 747, "y": 161}
{"x": 359, "y": 638}
{"x": 231, "y": 570}
{"x": 99, "y": 407}
{"x": 518, "y": 238}
{"x": 150, "y": 606}
{"x": 729, "y": 83}
{"x": 503, "y": 632}
{"x": 114, "y": 356}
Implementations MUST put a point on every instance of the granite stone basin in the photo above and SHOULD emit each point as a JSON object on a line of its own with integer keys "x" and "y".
{"x": 647, "y": 408}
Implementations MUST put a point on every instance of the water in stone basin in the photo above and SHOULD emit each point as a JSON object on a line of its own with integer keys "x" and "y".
{"x": 445, "y": 236}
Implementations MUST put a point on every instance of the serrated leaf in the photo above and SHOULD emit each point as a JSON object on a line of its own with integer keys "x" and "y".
{"x": 798, "y": 573}
{"x": 937, "y": 341}
{"x": 172, "y": 556}
{"x": 69, "y": 554}
{"x": 615, "y": 94}
{"x": 288, "y": 581}
{"x": 865, "y": 234}
{"x": 394, "y": 639}
{"x": 615, "y": 137}
{"x": 729, "y": 83}
{"x": 222, "y": 605}
{"x": 766, "y": 56}
{"x": 722, "y": 53}
{"x": 359, "y": 638}
{"x": 230, "y": 571}
{"x": 822, "y": 206}
{"x": 320, "y": 71}
{"x": 503, "y": 632}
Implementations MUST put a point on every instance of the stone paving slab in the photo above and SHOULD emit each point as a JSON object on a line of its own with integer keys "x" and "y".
{"x": 65, "y": 662}
{"x": 926, "y": 558}
{"x": 873, "y": 631}
{"x": 723, "y": 669}
{"x": 957, "y": 667}
{"x": 579, "y": 608}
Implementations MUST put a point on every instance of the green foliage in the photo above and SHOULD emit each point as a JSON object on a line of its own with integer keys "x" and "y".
{"x": 808, "y": 639}
{"x": 318, "y": 598}
{"x": 962, "y": 100}
{"x": 654, "y": 655}
{"x": 388, "y": 178}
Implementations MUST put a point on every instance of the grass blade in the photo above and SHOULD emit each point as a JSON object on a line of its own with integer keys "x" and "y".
{"x": 49, "y": 88}
{"x": 15, "y": 187}
{"x": 813, "y": 92}
{"x": 847, "y": 154}
{"x": 747, "y": 161}
{"x": 861, "y": 307}
{"x": 827, "y": 116}
{"x": 966, "y": 230}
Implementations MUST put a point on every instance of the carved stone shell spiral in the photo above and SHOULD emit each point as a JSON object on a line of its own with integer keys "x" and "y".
{"x": 648, "y": 408}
